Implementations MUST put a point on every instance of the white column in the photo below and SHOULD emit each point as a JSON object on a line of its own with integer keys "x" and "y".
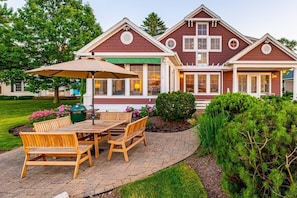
{"x": 295, "y": 84}
{"x": 145, "y": 79}
{"x": 235, "y": 82}
{"x": 164, "y": 75}
{"x": 88, "y": 95}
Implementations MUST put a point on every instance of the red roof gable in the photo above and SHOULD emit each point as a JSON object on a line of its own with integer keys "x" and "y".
{"x": 276, "y": 54}
{"x": 114, "y": 44}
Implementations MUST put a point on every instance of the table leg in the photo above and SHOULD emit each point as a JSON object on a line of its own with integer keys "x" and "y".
{"x": 96, "y": 146}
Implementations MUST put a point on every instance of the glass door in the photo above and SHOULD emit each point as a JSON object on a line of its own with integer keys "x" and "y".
{"x": 254, "y": 86}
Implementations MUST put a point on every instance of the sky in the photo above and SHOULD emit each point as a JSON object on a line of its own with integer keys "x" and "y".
{"x": 250, "y": 17}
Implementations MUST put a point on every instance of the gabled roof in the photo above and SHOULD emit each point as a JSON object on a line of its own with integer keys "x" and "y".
{"x": 125, "y": 22}
{"x": 266, "y": 37}
{"x": 214, "y": 16}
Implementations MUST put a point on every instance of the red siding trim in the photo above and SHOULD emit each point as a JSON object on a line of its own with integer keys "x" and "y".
{"x": 114, "y": 44}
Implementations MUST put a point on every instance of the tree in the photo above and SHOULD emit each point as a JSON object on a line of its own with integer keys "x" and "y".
{"x": 10, "y": 52}
{"x": 153, "y": 25}
{"x": 50, "y": 31}
{"x": 289, "y": 44}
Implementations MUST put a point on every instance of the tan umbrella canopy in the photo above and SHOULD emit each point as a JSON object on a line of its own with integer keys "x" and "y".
{"x": 85, "y": 67}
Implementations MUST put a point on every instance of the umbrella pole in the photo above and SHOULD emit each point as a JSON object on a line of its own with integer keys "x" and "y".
{"x": 93, "y": 109}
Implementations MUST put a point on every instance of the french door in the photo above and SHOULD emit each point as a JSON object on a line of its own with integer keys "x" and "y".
{"x": 255, "y": 84}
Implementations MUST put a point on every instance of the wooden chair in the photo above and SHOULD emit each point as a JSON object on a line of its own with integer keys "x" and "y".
{"x": 42, "y": 145}
{"x": 134, "y": 130}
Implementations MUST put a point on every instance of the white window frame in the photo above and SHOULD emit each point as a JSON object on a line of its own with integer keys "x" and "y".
{"x": 215, "y": 50}
{"x": 184, "y": 44}
{"x": 197, "y": 56}
{"x": 207, "y": 28}
{"x": 207, "y": 82}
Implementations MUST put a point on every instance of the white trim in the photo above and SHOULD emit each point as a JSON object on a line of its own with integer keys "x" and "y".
{"x": 128, "y": 55}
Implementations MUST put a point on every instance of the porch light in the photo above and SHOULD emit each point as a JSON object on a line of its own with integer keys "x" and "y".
{"x": 273, "y": 75}
{"x": 137, "y": 86}
{"x": 181, "y": 75}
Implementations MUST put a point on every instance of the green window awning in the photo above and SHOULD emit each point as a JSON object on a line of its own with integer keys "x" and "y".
{"x": 134, "y": 60}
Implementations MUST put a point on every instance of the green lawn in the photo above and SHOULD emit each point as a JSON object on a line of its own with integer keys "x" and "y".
{"x": 177, "y": 181}
{"x": 16, "y": 113}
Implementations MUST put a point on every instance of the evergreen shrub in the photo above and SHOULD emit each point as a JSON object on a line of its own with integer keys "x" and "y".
{"x": 221, "y": 109}
{"x": 207, "y": 129}
{"x": 175, "y": 106}
{"x": 231, "y": 103}
{"x": 257, "y": 152}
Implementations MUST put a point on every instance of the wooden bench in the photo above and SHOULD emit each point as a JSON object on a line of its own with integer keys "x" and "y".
{"x": 41, "y": 145}
{"x": 64, "y": 121}
{"x": 45, "y": 126}
{"x": 127, "y": 116}
{"x": 133, "y": 130}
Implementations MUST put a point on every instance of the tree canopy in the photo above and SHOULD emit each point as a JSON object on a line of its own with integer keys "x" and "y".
{"x": 291, "y": 44}
{"x": 153, "y": 25}
{"x": 49, "y": 32}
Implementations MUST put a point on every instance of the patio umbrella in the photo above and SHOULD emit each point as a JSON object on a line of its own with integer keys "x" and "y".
{"x": 85, "y": 67}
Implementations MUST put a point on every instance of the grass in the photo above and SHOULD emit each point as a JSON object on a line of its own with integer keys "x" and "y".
{"x": 16, "y": 113}
{"x": 177, "y": 181}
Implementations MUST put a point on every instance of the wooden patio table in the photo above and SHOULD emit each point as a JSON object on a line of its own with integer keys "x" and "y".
{"x": 86, "y": 127}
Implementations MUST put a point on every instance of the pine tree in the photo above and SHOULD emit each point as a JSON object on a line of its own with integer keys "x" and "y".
{"x": 153, "y": 25}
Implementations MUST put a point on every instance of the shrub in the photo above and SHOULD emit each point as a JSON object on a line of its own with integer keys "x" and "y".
{"x": 207, "y": 129}
{"x": 175, "y": 106}
{"x": 257, "y": 152}
{"x": 147, "y": 111}
{"x": 142, "y": 112}
{"x": 231, "y": 103}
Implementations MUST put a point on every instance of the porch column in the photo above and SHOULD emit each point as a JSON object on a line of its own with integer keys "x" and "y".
{"x": 295, "y": 84}
{"x": 88, "y": 95}
{"x": 235, "y": 82}
{"x": 164, "y": 76}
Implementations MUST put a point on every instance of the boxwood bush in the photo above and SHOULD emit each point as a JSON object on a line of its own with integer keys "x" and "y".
{"x": 257, "y": 152}
{"x": 175, "y": 106}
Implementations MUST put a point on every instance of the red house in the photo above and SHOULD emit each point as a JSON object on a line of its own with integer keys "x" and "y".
{"x": 201, "y": 54}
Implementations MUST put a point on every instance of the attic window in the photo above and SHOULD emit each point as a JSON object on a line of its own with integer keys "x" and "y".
{"x": 170, "y": 43}
{"x": 266, "y": 48}
{"x": 233, "y": 43}
{"x": 126, "y": 38}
